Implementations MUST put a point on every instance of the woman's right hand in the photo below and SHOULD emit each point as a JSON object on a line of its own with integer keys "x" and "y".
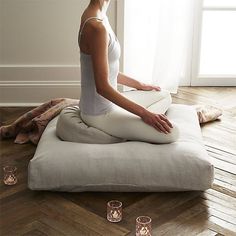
{"x": 159, "y": 121}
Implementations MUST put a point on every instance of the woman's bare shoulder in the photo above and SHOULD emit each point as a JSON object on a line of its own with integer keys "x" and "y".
{"x": 95, "y": 33}
{"x": 96, "y": 26}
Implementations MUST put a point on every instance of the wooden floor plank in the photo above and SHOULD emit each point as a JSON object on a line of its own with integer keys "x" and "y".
{"x": 223, "y": 188}
{"x": 222, "y": 216}
{"x": 34, "y": 232}
{"x": 20, "y": 226}
{"x": 222, "y": 226}
{"x": 224, "y": 209}
{"x": 225, "y": 176}
{"x": 177, "y": 225}
{"x": 64, "y": 223}
{"x": 36, "y": 225}
{"x": 220, "y": 198}
{"x": 207, "y": 232}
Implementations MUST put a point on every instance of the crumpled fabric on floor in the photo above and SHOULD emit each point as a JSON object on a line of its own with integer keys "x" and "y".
{"x": 30, "y": 126}
{"x": 207, "y": 113}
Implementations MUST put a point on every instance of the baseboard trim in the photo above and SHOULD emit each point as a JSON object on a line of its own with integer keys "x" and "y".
{"x": 31, "y": 85}
{"x": 27, "y": 94}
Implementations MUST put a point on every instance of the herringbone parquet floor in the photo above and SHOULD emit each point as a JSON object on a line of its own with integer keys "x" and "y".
{"x": 213, "y": 212}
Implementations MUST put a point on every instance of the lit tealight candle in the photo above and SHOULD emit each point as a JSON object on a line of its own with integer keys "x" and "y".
{"x": 114, "y": 211}
{"x": 144, "y": 231}
{"x": 143, "y": 226}
{"x": 9, "y": 175}
{"x": 115, "y": 215}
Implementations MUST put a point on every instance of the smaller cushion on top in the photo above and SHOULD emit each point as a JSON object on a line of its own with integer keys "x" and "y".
{"x": 71, "y": 128}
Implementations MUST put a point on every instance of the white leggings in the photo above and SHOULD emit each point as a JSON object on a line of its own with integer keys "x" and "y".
{"x": 124, "y": 124}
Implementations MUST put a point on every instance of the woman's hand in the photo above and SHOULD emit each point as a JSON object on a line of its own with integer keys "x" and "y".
{"x": 130, "y": 82}
{"x": 159, "y": 121}
{"x": 148, "y": 87}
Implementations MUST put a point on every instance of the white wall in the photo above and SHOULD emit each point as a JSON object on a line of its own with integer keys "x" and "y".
{"x": 39, "y": 55}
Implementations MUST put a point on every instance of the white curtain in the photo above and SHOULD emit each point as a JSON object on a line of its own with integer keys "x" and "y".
{"x": 158, "y": 41}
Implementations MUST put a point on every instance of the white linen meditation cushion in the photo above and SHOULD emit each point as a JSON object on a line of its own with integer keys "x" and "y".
{"x": 127, "y": 166}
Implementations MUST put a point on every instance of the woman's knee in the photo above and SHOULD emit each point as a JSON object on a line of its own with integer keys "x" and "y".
{"x": 166, "y": 95}
{"x": 159, "y": 95}
{"x": 173, "y": 136}
{"x": 162, "y": 105}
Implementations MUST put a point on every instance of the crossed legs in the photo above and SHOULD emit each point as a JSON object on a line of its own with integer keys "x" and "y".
{"x": 124, "y": 124}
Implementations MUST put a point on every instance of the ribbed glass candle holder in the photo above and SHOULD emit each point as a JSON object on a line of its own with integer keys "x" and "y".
{"x": 114, "y": 211}
{"x": 143, "y": 226}
{"x": 9, "y": 175}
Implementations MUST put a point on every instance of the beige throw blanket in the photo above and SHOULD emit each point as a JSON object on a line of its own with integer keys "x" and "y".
{"x": 30, "y": 126}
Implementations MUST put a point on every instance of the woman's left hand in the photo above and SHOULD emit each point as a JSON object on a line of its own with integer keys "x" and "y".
{"x": 148, "y": 87}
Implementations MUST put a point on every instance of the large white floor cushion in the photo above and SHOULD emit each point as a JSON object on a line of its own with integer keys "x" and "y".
{"x": 125, "y": 166}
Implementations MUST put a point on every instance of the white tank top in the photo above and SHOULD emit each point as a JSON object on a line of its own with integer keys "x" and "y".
{"x": 92, "y": 103}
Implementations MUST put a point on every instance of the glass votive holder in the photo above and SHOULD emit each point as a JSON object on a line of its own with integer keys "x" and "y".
{"x": 143, "y": 226}
{"x": 9, "y": 175}
{"x": 114, "y": 211}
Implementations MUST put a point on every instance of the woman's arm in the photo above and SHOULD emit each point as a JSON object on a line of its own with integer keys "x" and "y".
{"x": 99, "y": 51}
{"x": 130, "y": 82}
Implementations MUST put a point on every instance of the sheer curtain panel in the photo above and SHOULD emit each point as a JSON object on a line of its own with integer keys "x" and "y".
{"x": 158, "y": 40}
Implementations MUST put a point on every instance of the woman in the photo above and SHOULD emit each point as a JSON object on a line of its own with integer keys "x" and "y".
{"x": 101, "y": 105}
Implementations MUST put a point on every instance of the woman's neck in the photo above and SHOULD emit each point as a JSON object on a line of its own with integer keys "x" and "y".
{"x": 95, "y": 8}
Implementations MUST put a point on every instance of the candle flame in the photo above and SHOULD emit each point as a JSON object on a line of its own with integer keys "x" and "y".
{"x": 144, "y": 231}
{"x": 115, "y": 214}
